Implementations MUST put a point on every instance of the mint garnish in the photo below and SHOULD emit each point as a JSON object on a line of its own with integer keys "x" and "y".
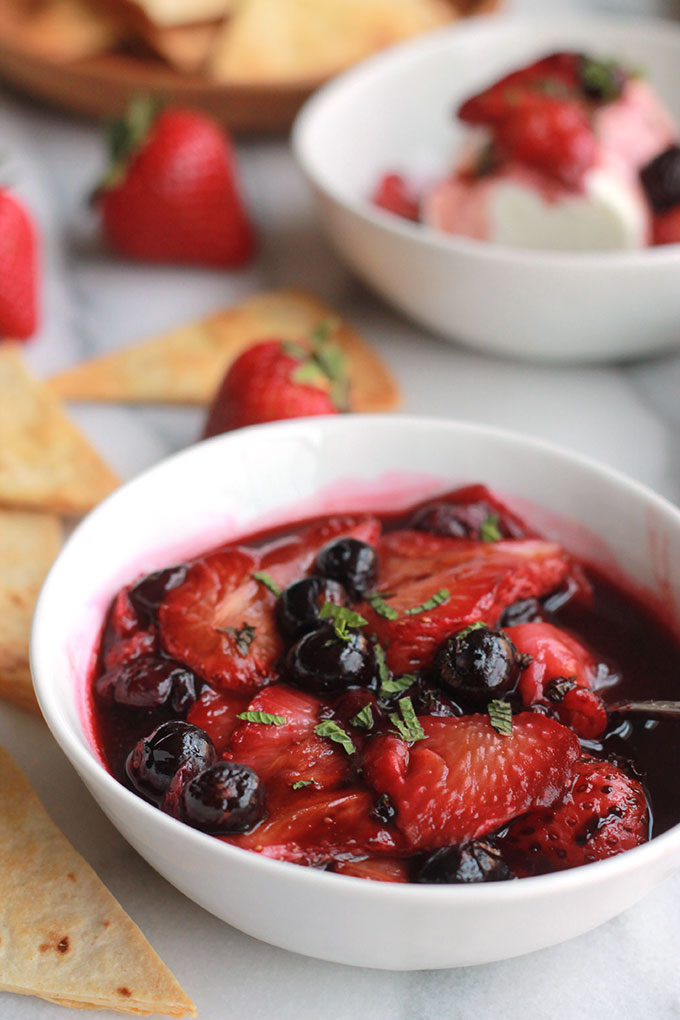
{"x": 438, "y": 599}
{"x": 267, "y": 580}
{"x": 266, "y": 718}
{"x": 500, "y": 717}
{"x": 379, "y": 605}
{"x": 408, "y": 726}
{"x": 489, "y": 531}
{"x": 363, "y": 719}
{"x": 242, "y": 637}
{"x": 330, "y": 729}
{"x": 398, "y": 684}
{"x": 342, "y": 618}
{"x": 302, "y": 782}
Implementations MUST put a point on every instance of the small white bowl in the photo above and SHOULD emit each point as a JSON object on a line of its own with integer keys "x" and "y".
{"x": 396, "y": 112}
{"x": 267, "y": 475}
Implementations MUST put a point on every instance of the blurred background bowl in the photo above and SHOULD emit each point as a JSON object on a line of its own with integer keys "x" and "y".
{"x": 396, "y": 113}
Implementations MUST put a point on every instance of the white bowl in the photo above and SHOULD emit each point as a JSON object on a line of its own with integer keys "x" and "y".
{"x": 396, "y": 112}
{"x": 266, "y": 475}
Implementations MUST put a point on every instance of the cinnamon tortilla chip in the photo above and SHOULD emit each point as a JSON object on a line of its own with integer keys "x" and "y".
{"x": 186, "y": 365}
{"x": 185, "y": 47}
{"x": 29, "y": 544}
{"x": 63, "y": 936}
{"x": 287, "y": 40}
{"x": 45, "y": 462}
{"x": 167, "y": 13}
{"x": 60, "y": 30}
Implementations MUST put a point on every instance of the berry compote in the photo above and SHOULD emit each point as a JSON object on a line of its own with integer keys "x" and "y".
{"x": 436, "y": 696}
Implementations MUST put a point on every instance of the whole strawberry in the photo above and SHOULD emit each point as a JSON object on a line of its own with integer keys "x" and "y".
{"x": 18, "y": 270}
{"x": 171, "y": 194}
{"x": 277, "y": 379}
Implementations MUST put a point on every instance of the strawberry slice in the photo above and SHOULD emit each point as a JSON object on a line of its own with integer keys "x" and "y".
{"x": 554, "y": 654}
{"x": 380, "y": 869}
{"x": 215, "y": 712}
{"x": 464, "y": 780}
{"x": 315, "y": 827}
{"x": 220, "y": 619}
{"x": 290, "y": 752}
{"x": 481, "y": 579}
{"x": 604, "y": 813}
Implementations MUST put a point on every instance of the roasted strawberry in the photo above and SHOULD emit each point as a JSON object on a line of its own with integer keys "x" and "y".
{"x": 449, "y": 584}
{"x": 554, "y": 654}
{"x": 171, "y": 194}
{"x": 464, "y": 779}
{"x": 220, "y": 619}
{"x": 491, "y": 105}
{"x": 287, "y": 752}
{"x": 394, "y": 194}
{"x": 315, "y": 827}
{"x": 215, "y": 712}
{"x": 18, "y": 270}
{"x": 276, "y": 379}
{"x": 380, "y": 869}
{"x": 604, "y": 813}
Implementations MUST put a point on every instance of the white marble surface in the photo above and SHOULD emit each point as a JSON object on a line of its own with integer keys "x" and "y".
{"x": 626, "y": 416}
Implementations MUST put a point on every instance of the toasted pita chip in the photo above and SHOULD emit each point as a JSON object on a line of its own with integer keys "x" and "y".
{"x": 186, "y": 365}
{"x": 60, "y": 30}
{"x": 284, "y": 40}
{"x": 29, "y": 544}
{"x": 167, "y": 13}
{"x": 63, "y": 936}
{"x": 45, "y": 463}
{"x": 185, "y": 47}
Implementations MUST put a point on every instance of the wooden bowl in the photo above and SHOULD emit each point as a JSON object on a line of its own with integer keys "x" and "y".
{"x": 103, "y": 86}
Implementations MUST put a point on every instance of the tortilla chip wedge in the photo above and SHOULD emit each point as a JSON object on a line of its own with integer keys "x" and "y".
{"x": 28, "y": 545}
{"x": 289, "y": 40}
{"x": 63, "y": 936}
{"x": 45, "y": 462}
{"x": 186, "y": 365}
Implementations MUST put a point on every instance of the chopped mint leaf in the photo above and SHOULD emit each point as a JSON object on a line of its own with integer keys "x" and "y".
{"x": 383, "y": 671}
{"x": 602, "y": 80}
{"x": 267, "y": 580}
{"x": 302, "y": 782}
{"x": 489, "y": 531}
{"x": 379, "y": 605}
{"x": 470, "y": 627}
{"x": 398, "y": 684}
{"x": 438, "y": 599}
{"x": 500, "y": 717}
{"x": 408, "y": 726}
{"x": 330, "y": 729}
{"x": 243, "y": 637}
{"x": 266, "y": 718}
{"x": 363, "y": 719}
{"x": 342, "y": 618}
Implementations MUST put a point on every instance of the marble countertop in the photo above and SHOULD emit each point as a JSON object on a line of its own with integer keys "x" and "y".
{"x": 627, "y": 416}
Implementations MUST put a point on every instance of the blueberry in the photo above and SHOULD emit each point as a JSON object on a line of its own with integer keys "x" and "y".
{"x": 298, "y": 606}
{"x": 154, "y": 760}
{"x": 225, "y": 798}
{"x": 460, "y": 520}
{"x": 321, "y": 662}
{"x": 149, "y": 683}
{"x": 477, "y": 664}
{"x": 523, "y": 611}
{"x": 478, "y": 861}
{"x": 147, "y": 595}
{"x": 428, "y": 700}
{"x": 351, "y": 562}
{"x": 661, "y": 179}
